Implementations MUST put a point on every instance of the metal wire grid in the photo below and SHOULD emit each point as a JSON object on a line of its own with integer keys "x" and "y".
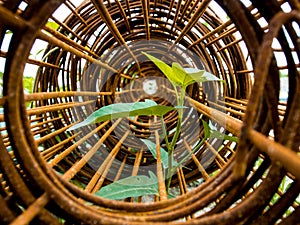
{"x": 35, "y": 143}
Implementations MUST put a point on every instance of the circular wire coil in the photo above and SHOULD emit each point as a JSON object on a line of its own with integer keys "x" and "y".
{"x": 237, "y": 153}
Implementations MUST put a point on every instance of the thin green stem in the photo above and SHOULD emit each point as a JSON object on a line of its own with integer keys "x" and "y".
{"x": 170, "y": 151}
{"x": 170, "y": 175}
{"x": 180, "y": 113}
{"x": 176, "y": 93}
{"x": 177, "y": 132}
{"x": 48, "y": 53}
{"x": 180, "y": 101}
{"x": 164, "y": 129}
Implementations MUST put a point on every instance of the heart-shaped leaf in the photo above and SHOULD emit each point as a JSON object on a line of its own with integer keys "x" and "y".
{"x": 133, "y": 186}
{"x": 179, "y": 73}
{"x": 166, "y": 69}
{"x": 180, "y": 76}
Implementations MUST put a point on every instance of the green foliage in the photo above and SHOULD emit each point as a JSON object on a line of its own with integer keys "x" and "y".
{"x": 133, "y": 186}
{"x": 52, "y": 25}
{"x": 28, "y": 87}
{"x": 121, "y": 110}
{"x": 166, "y": 69}
{"x": 211, "y": 132}
{"x": 282, "y": 75}
{"x": 37, "y": 53}
{"x": 163, "y": 153}
{"x": 142, "y": 185}
{"x": 49, "y": 53}
{"x": 28, "y": 84}
{"x": 179, "y": 76}
{"x": 78, "y": 183}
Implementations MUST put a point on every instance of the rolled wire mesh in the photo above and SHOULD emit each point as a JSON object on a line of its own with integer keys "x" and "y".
{"x": 87, "y": 55}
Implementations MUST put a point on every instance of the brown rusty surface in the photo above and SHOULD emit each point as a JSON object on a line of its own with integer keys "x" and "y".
{"x": 49, "y": 175}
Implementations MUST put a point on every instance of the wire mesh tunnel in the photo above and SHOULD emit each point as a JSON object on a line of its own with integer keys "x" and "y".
{"x": 236, "y": 158}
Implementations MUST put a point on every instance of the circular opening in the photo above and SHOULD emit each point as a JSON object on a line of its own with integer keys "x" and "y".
{"x": 88, "y": 116}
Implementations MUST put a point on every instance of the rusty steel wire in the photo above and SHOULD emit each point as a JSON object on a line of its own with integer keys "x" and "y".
{"x": 90, "y": 56}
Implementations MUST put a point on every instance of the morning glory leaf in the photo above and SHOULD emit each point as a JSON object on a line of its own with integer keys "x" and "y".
{"x": 166, "y": 69}
{"x": 121, "y": 110}
{"x": 133, "y": 186}
{"x": 163, "y": 153}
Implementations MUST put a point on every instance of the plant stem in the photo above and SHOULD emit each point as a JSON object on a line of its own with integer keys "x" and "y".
{"x": 171, "y": 147}
{"x": 48, "y": 53}
{"x": 164, "y": 129}
{"x": 173, "y": 169}
{"x": 180, "y": 113}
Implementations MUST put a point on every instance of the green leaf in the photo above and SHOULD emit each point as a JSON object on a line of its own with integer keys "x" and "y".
{"x": 219, "y": 135}
{"x": 157, "y": 110}
{"x": 179, "y": 73}
{"x": 189, "y": 76}
{"x": 206, "y": 130}
{"x": 40, "y": 51}
{"x": 133, "y": 186}
{"x": 78, "y": 183}
{"x": 28, "y": 84}
{"x": 201, "y": 76}
{"x": 194, "y": 77}
{"x": 185, "y": 78}
{"x": 163, "y": 153}
{"x": 50, "y": 52}
{"x": 182, "y": 76}
{"x": 52, "y": 25}
{"x": 121, "y": 110}
{"x": 210, "y": 77}
{"x": 282, "y": 75}
{"x": 166, "y": 69}
{"x": 210, "y": 131}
